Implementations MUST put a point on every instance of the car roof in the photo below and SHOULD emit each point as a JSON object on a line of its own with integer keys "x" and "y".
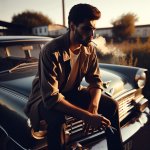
{"x": 4, "y": 39}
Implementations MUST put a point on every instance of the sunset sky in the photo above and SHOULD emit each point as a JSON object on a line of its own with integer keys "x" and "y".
{"x": 111, "y": 9}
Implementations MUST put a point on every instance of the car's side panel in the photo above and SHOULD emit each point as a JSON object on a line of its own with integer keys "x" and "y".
{"x": 12, "y": 119}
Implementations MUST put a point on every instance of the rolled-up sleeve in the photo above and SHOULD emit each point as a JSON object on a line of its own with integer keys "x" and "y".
{"x": 49, "y": 79}
{"x": 93, "y": 76}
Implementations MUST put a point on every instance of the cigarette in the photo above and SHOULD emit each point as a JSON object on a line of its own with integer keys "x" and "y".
{"x": 113, "y": 128}
{"x": 94, "y": 43}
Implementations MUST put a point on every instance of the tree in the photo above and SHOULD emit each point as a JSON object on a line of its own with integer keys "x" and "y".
{"x": 31, "y": 19}
{"x": 124, "y": 26}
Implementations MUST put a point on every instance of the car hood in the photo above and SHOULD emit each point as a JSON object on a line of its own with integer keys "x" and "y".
{"x": 20, "y": 85}
{"x": 113, "y": 83}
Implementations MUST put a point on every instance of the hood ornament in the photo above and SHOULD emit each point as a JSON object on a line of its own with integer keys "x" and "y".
{"x": 106, "y": 84}
{"x": 111, "y": 91}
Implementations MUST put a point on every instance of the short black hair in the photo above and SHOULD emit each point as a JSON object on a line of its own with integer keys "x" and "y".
{"x": 81, "y": 12}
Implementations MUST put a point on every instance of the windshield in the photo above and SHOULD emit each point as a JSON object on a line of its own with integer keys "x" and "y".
{"x": 19, "y": 53}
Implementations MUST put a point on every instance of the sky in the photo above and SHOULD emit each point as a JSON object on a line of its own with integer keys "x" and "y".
{"x": 110, "y": 9}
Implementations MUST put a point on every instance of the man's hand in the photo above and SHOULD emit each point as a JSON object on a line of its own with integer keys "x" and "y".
{"x": 96, "y": 121}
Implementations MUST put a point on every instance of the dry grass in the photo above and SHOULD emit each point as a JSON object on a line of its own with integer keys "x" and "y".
{"x": 138, "y": 46}
{"x": 137, "y": 54}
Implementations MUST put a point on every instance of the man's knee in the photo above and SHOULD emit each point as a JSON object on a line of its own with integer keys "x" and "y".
{"x": 51, "y": 116}
{"x": 108, "y": 106}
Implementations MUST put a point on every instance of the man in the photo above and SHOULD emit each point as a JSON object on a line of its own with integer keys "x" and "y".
{"x": 56, "y": 88}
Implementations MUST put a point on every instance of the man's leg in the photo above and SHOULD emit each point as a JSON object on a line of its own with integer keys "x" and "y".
{"x": 109, "y": 108}
{"x": 55, "y": 128}
{"x": 56, "y": 120}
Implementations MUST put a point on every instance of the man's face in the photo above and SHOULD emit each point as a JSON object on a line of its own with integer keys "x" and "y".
{"x": 84, "y": 32}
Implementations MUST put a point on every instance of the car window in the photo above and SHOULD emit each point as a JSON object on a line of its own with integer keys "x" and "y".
{"x": 36, "y": 50}
{"x": 13, "y": 55}
{"x": 20, "y": 50}
{"x": 16, "y": 51}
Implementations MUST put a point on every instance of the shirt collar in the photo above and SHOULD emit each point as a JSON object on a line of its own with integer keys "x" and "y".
{"x": 66, "y": 53}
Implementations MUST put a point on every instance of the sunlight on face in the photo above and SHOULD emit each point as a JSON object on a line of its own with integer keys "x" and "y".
{"x": 84, "y": 32}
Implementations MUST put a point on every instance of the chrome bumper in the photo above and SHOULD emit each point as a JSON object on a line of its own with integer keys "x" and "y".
{"x": 127, "y": 131}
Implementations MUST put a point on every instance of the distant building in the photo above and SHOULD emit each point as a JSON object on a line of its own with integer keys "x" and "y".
{"x": 42, "y": 30}
{"x": 142, "y": 31}
{"x": 52, "y": 30}
{"x": 105, "y": 32}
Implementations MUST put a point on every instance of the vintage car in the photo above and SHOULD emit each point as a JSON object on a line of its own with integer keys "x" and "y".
{"x": 18, "y": 66}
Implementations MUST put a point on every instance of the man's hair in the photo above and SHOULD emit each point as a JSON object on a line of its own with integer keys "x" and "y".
{"x": 81, "y": 12}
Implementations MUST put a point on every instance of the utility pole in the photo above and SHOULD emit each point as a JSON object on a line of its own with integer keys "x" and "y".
{"x": 63, "y": 11}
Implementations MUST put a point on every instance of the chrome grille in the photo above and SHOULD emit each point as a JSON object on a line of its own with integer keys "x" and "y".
{"x": 126, "y": 103}
{"x": 125, "y": 106}
{"x": 74, "y": 125}
{"x": 75, "y": 128}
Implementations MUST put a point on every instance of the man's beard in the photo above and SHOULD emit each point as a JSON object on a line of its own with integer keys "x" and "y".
{"x": 79, "y": 39}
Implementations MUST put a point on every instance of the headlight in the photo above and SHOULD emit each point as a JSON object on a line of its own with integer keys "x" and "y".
{"x": 140, "y": 78}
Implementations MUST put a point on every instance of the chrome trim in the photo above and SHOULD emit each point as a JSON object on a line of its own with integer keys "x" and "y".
{"x": 125, "y": 94}
{"x": 3, "y": 130}
{"x": 127, "y": 102}
{"x": 140, "y": 77}
{"x": 133, "y": 127}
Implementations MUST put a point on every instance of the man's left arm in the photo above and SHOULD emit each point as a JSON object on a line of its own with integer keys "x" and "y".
{"x": 95, "y": 87}
{"x": 95, "y": 94}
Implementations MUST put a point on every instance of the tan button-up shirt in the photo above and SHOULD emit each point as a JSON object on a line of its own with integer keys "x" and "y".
{"x": 54, "y": 69}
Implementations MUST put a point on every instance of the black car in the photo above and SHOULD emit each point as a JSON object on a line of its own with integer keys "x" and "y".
{"x": 18, "y": 66}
